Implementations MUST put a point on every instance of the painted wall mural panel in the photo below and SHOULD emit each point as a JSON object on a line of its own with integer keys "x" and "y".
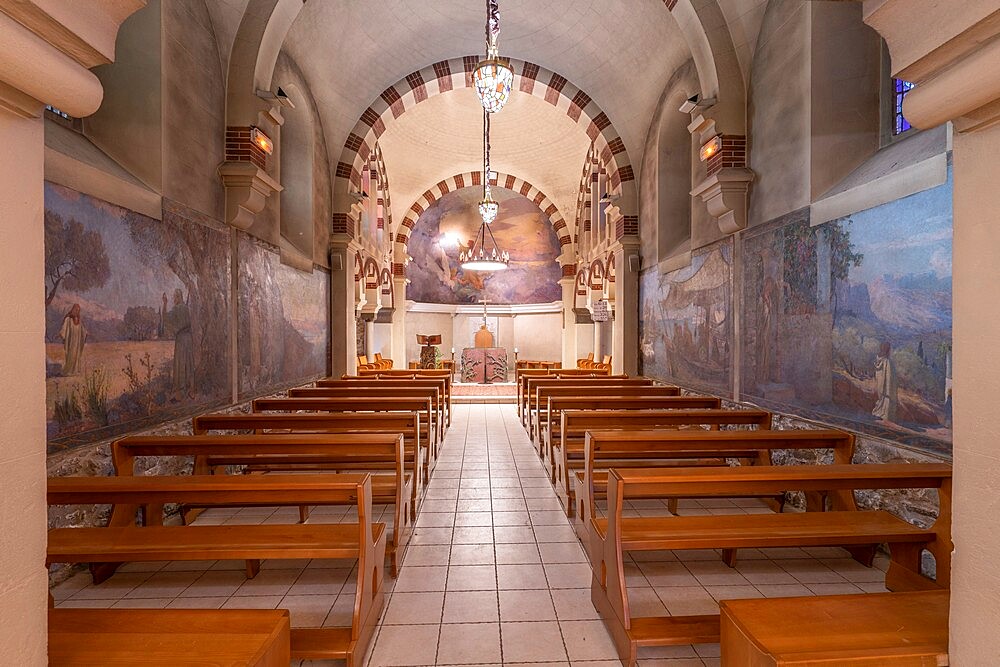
{"x": 284, "y": 319}
{"x": 686, "y": 321}
{"x": 521, "y": 228}
{"x": 136, "y": 317}
{"x": 850, "y": 321}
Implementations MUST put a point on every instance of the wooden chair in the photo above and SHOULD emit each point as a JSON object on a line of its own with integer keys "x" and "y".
{"x": 381, "y": 363}
{"x": 843, "y": 526}
{"x": 586, "y": 362}
{"x": 884, "y": 629}
{"x": 574, "y": 425}
{"x": 123, "y": 541}
{"x": 381, "y": 455}
{"x": 169, "y": 637}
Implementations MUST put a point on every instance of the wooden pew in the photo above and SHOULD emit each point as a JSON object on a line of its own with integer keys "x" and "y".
{"x": 382, "y": 455}
{"x": 169, "y": 637}
{"x": 375, "y": 383}
{"x": 407, "y": 423}
{"x": 546, "y": 421}
{"x": 604, "y": 450}
{"x": 523, "y": 390}
{"x": 422, "y": 406}
{"x": 883, "y": 629}
{"x": 574, "y": 424}
{"x": 563, "y": 447}
{"x": 532, "y": 384}
{"x": 123, "y": 541}
{"x": 434, "y": 394}
{"x": 406, "y": 374}
{"x": 843, "y": 526}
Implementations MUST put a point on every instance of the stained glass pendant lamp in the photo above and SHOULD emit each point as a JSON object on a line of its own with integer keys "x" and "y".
{"x": 493, "y": 76}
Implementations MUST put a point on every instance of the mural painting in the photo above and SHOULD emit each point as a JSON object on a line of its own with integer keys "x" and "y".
{"x": 283, "y": 320}
{"x": 850, "y": 321}
{"x": 136, "y": 317}
{"x": 450, "y": 225}
{"x": 686, "y": 320}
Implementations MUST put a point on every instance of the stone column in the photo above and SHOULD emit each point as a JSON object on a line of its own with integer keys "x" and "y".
{"x": 598, "y": 341}
{"x": 47, "y": 64}
{"x": 951, "y": 50}
{"x": 569, "y": 351}
{"x": 343, "y": 330}
{"x": 625, "y": 349}
{"x": 399, "y": 321}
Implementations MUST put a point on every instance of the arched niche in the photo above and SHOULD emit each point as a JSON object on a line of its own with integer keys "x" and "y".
{"x": 298, "y": 168}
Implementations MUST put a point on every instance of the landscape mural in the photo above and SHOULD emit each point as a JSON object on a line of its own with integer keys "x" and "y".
{"x": 850, "y": 321}
{"x": 686, "y": 321}
{"x": 450, "y": 225}
{"x": 136, "y": 317}
{"x": 284, "y": 319}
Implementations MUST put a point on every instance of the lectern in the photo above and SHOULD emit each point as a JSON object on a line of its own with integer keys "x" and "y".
{"x": 428, "y": 350}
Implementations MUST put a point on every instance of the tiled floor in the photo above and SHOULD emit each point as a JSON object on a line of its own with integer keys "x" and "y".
{"x": 494, "y": 574}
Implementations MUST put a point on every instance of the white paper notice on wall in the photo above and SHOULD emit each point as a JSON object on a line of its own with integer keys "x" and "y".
{"x": 599, "y": 311}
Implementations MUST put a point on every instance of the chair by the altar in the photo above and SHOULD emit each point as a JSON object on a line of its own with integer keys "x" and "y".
{"x": 483, "y": 337}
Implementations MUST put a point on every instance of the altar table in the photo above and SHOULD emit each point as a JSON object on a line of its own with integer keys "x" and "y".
{"x": 484, "y": 365}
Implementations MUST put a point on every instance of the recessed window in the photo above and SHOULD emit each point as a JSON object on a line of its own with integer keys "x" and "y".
{"x": 900, "y": 90}
{"x": 58, "y": 112}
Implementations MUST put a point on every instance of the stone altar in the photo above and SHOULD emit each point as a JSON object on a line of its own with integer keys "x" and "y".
{"x": 484, "y": 365}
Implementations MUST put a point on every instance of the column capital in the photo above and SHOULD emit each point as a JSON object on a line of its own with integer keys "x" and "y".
{"x": 725, "y": 194}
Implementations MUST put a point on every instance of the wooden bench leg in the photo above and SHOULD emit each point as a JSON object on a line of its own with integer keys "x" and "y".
{"x": 253, "y": 568}
{"x": 729, "y": 557}
{"x": 864, "y": 555}
{"x": 101, "y": 572}
{"x": 672, "y": 506}
{"x": 303, "y": 513}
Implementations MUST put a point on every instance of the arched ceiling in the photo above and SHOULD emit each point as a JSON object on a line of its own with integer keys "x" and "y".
{"x": 443, "y": 136}
{"x": 621, "y": 52}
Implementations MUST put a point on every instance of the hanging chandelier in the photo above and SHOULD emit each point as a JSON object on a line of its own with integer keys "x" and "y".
{"x": 493, "y": 76}
{"x": 484, "y": 254}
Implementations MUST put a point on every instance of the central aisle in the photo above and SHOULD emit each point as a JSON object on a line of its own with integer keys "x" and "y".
{"x": 494, "y": 573}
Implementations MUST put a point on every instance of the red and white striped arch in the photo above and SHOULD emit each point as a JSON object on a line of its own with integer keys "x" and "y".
{"x": 447, "y": 75}
{"x": 474, "y": 179}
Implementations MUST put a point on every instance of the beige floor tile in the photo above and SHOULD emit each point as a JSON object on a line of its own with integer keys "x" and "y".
{"x": 587, "y": 640}
{"x": 308, "y": 611}
{"x": 517, "y": 554}
{"x": 469, "y": 643}
{"x": 573, "y": 604}
{"x": 142, "y": 603}
{"x": 197, "y": 603}
{"x": 562, "y": 552}
{"x": 526, "y": 605}
{"x": 421, "y": 579}
{"x": 405, "y": 645}
{"x": 430, "y": 554}
{"x": 165, "y": 585}
{"x": 430, "y": 536}
{"x": 215, "y": 583}
{"x": 435, "y": 520}
{"x": 473, "y": 535}
{"x": 532, "y": 641}
{"x": 470, "y": 607}
{"x": 519, "y": 577}
{"x": 474, "y": 519}
{"x": 269, "y": 582}
{"x": 253, "y": 602}
{"x": 472, "y": 554}
{"x": 513, "y": 535}
{"x": 414, "y": 608}
{"x": 472, "y": 578}
{"x": 114, "y": 588}
{"x": 568, "y": 575}
{"x": 715, "y": 573}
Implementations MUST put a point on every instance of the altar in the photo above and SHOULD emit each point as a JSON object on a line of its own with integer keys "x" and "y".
{"x": 484, "y": 365}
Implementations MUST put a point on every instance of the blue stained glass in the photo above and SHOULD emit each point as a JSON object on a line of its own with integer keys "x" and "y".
{"x": 900, "y": 89}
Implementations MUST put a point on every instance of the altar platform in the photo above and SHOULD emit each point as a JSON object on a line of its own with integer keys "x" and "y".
{"x": 498, "y": 392}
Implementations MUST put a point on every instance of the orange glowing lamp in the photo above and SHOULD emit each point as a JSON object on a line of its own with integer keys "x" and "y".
{"x": 262, "y": 141}
{"x": 710, "y": 148}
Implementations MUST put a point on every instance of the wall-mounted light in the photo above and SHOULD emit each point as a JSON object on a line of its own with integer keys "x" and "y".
{"x": 261, "y": 140}
{"x": 710, "y": 148}
{"x": 607, "y": 198}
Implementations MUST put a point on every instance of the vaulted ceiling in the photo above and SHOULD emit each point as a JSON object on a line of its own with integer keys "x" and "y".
{"x": 620, "y": 52}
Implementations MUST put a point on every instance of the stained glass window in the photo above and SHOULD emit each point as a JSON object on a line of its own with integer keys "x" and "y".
{"x": 900, "y": 89}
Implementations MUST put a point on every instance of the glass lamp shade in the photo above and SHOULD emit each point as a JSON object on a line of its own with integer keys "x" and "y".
{"x": 493, "y": 79}
{"x": 489, "y": 209}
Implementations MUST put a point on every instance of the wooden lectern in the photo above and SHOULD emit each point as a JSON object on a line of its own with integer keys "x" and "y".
{"x": 428, "y": 350}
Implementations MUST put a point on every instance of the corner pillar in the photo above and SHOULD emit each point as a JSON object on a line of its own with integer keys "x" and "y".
{"x": 343, "y": 323}
{"x": 625, "y": 329}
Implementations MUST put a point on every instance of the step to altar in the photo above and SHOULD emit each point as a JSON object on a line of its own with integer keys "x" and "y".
{"x": 497, "y": 392}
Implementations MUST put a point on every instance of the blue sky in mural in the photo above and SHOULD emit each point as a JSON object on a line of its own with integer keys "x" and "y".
{"x": 906, "y": 236}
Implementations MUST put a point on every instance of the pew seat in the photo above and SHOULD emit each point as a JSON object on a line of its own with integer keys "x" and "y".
{"x": 168, "y": 637}
{"x": 878, "y": 629}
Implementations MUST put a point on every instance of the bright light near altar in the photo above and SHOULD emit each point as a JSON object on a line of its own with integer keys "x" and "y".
{"x": 448, "y": 241}
{"x": 493, "y": 79}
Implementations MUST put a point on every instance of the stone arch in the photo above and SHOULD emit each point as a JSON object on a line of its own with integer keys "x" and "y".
{"x": 448, "y": 75}
{"x": 475, "y": 178}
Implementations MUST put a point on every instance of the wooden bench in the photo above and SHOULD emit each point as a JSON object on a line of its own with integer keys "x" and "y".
{"x": 382, "y": 455}
{"x": 878, "y": 629}
{"x": 560, "y": 445}
{"x": 407, "y": 423}
{"x": 531, "y": 385}
{"x": 444, "y": 375}
{"x": 620, "y": 449}
{"x": 521, "y": 380}
{"x": 169, "y": 637}
{"x": 375, "y": 383}
{"x": 122, "y": 542}
{"x": 843, "y": 526}
{"x": 434, "y": 393}
{"x": 421, "y": 406}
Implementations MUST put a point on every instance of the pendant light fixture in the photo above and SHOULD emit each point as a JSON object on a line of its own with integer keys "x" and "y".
{"x": 485, "y": 253}
{"x": 493, "y": 76}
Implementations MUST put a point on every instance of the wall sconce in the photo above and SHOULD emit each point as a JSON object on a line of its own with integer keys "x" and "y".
{"x": 262, "y": 141}
{"x": 710, "y": 148}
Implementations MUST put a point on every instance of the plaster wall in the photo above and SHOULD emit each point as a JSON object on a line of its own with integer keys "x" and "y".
{"x": 779, "y": 112}
{"x": 128, "y": 126}
{"x": 23, "y": 580}
{"x": 975, "y": 601}
{"x": 194, "y": 104}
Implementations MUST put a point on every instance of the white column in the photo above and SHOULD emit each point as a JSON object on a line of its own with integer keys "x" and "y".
{"x": 569, "y": 348}
{"x": 399, "y": 322}
{"x": 370, "y": 340}
{"x": 343, "y": 330}
{"x": 625, "y": 349}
